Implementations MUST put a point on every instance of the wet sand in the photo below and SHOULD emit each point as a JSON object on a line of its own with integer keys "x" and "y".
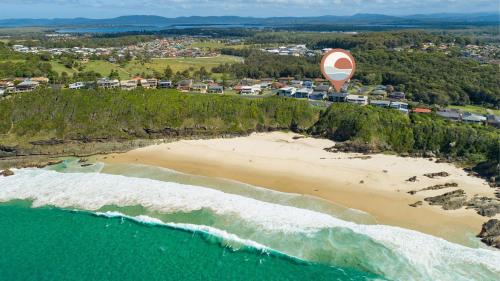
{"x": 281, "y": 161}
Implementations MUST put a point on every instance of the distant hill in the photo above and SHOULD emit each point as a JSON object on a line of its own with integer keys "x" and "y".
{"x": 358, "y": 19}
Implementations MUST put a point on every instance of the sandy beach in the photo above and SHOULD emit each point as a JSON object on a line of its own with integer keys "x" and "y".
{"x": 289, "y": 163}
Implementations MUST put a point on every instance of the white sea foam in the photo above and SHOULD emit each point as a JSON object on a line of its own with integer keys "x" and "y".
{"x": 424, "y": 257}
{"x": 224, "y": 235}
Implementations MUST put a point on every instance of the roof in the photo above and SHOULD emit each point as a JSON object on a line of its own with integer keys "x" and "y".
{"x": 305, "y": 90}
{"x": 473, "y": 117}
{"x": 421, "y": 110}
{"x": 357, "y": 97}
{"x": 380, "y": 102}
{"x": 449, "y": 114}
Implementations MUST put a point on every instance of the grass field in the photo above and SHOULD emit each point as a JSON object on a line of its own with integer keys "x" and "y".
{"x": 179, "y": 64}
{"x": 475, "y": 109}
{"x": 59, "y": 68}
{"x": 135, "y": 67}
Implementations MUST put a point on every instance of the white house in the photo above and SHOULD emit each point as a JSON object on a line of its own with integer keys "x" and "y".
{"x": 287, "y": 92}
{"x": 77, "y": 86}
{"x": 250, "y": 90}
{"x": 401, "y": 106}
{"x": 361, "y": 100}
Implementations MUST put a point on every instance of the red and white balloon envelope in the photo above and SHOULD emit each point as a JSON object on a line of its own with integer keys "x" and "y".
{"x": 338, "y": 66}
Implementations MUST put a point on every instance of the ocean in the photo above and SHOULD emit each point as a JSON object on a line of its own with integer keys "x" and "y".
{"x": 108, "y": 222}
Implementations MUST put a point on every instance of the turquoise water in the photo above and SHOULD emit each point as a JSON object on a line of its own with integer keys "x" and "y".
{"x": 227, "y": 222}
{"x": 56, "y": 244}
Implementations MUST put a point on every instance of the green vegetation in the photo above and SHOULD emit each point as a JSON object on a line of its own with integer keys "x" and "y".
{"x": 430, "y": 76}
{"x": 92, "y": 115}
{"x": 376, "y": 129}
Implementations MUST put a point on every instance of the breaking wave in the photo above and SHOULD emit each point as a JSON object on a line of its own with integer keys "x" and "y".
{"x": 392, "y": 252}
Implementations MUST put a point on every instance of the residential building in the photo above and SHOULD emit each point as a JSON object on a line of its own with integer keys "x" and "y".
{"x": 493, "y": 120}
{"x": 250, "y": 90}
{"x": 77, "y": 86}
{"x": 473, "y": 118}
{"x": 286, "y": 80}
{"x": 401, "y": 106}
{"x": 380, "y": 103}
{"x": 149, "y": 83}
{"x": 105, "y": 83}
{"x": 397, "y": 95}
{"x": 450, "y": 114}
{"x": 287, "y": 92}
{"x": 303, "y": 93}
{"x": 323, "y": 88}
{"x": 308, "y": 84}
{"x": 361, "y": 100}
{"x": 128, "y": 85}
{"x": 379, "y": 93}
{"x": 199, "y": 88}
{"x": 338, "y": 97}
{"x": 26, "y": 86}
{"x": 318, "y": 95}
{"x": 216, "y": 89}
{"x": 185, "y": 85}
{"x": 165, "y": 84}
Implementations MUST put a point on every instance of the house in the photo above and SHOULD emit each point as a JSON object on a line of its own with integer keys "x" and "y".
{"x": 77, "y": 86}
{"x": 379, "y": 93}
{"x": 323, "y": 88}
{"x": 105, "y": 83}
{"x": 266, "y": 85}
{"x": 2, "y": 92}
{"x": 249, "y": 82}
{"x": 26, "y": 86}
{"x": 361, "y": 100}
{"x": 308, "y": 84}
{"x": 338, "y": 97}
{"x": 128, "y": 85}
{"x": 199, "y": 88}
{"x": 250, "y": 90}
{"x": 449, "y": 114}
{"x": 216, "y": 89}
{"x": 401, "y": 106}
{"x": 41, "y": 80}
{"x": 303, "y": 93}
{"x": 149, "y": 83}
{"x": 380, "y": 103}
{"x": 363, "y": 90}
{"x": 318, "y": 95}
{"x": 287, "y": 92}
{"x": 397, "y": 95}
{"x": 380, "y": 88}
{"x": 421, "y": 110}
{"x": 165, "y": 84}
{"x": 286, "y": 80}
{"x": 185, "y": 85}
{"x": 473, "y": 118}
{"x": 297, "y": 83}
{"x": 493, "y": 120}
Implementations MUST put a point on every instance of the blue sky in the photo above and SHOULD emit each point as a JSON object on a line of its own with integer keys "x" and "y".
{"x": 257, "y": 8}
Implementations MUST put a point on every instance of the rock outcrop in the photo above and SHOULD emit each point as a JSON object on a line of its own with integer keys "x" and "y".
{"x": 6, "y": 173}
{"x": 487, "y": 207}
{"x": 490, "y": 234}
{"x": 449, "y": 201}
{"x": 437, "y": 175}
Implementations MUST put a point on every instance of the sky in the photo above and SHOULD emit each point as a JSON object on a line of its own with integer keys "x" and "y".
{"x": 256, "y": 8}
